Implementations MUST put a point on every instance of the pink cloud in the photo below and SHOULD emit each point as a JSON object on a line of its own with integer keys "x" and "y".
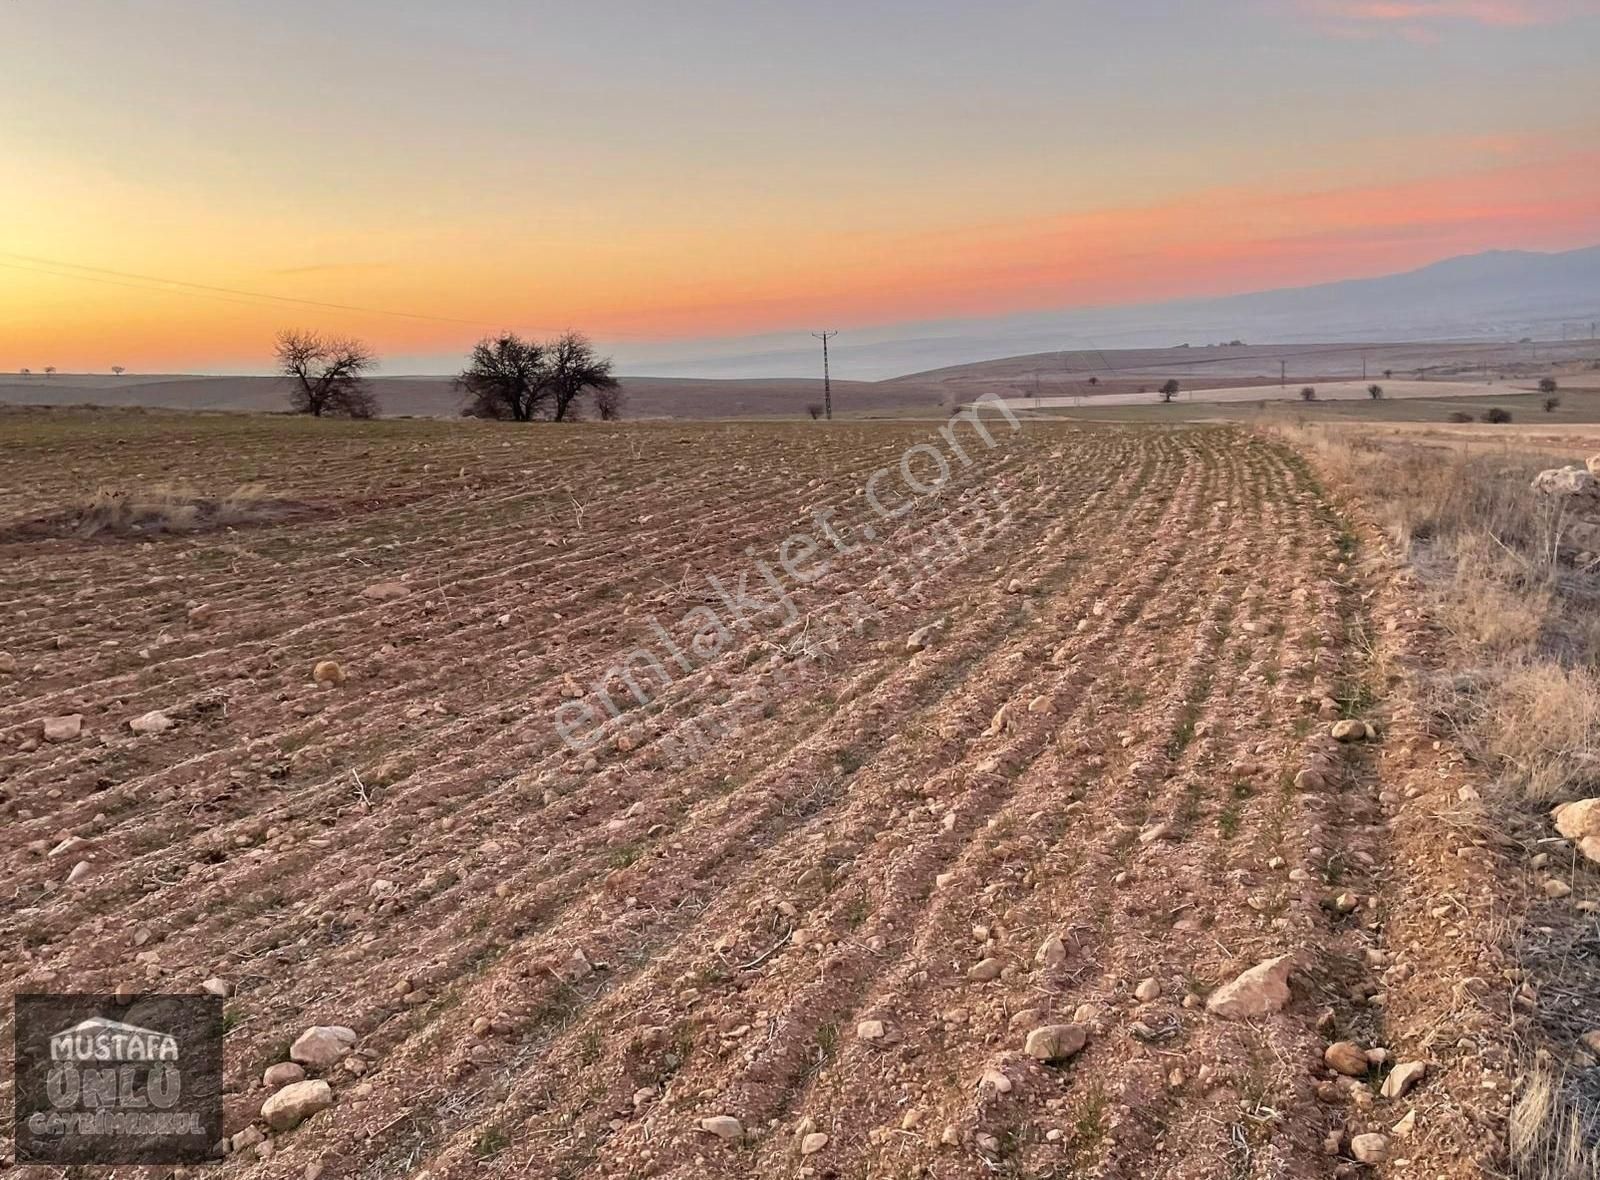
{"x": 1421, "y": 19}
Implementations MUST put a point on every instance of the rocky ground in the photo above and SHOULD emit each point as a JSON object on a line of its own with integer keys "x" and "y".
{"x": 1076, "y": 824}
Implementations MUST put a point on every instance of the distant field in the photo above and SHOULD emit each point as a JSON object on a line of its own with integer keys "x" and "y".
{"x": 1527, "y": 409}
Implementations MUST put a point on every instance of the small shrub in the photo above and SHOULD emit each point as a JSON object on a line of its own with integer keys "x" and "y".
{"x": 1458, "y": 416}
{"x": 1497, "y": 415}
{"x": 1308, "y": 394}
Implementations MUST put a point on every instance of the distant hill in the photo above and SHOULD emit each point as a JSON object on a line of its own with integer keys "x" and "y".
{"x": 1501, "y": 295}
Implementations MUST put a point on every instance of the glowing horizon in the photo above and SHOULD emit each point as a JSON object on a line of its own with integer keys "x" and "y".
{"x": 726, "y": 171}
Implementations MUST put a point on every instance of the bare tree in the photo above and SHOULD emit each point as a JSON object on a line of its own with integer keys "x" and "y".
{"x": 506, "y": 378}
{"x": 328, "y": 372}
{"x": 1375, "y": 392}
{"x": 610, "y": 401}
{"x": 1308, "y": 394}
{"x": 575, "y": 369}
{"x": 1170, "y": 389}
{"x": 49, "y": 370}
{"x": 1094, "y": 381}
{"x": 1388, "y": 374}
{"x": 27, "y": 372}
{"x": 1552, "y": 404}
{"x": 815, "y": 410}
{"x": 118, "y": 370}
{"x": 1548, "y": 385}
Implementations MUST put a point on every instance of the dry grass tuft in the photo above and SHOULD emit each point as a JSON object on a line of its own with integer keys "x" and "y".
{"x": 1546, "y": 1132}
{"x": 167, "y": 509}
{"x": 1543, "y": 727}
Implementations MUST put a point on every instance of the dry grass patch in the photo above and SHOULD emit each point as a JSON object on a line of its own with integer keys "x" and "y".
{"x": 162, "y": 509}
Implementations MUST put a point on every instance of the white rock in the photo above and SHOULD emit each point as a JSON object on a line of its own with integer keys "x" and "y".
{"x": 63, "y": 729}
{"x": 1052, "y": 952}
{"x": 295, "y": 1103}
{"x": 386, "y": 591}
{"x": 1056, "y": 1042}
{"x": 723, "y": 1126}
{"x": 154, "y": 721}
{"x": 1262, "y": 989}
{"x": 813, "y": 1143}
{"x": 1402, "y": 1077}
{"x": 1580, "y": 822}
{"x": 1370, "y": 1148}
{"x": 323, "y": 1045}
{"x": 284, "y": 1073}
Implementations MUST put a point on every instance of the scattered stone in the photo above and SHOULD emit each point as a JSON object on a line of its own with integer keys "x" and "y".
{"x": 200, "y": 615}
{"x": 1052, "y": 952}
{"x": 1580, "y": 823}
{"x": 1262, "y": 989}
{"x": 1346, "y": 903}
{"x": 8, "y": 663}
{"x": 1148, "y": 989}
{"x": 217, "y": 986}
{"x": 1591, "y": 1041}
{"x": 1568, "y": 481}
{"x": 386, "y": 591}
{"x": 922, "y": 637}
{"x": 813, "y": 1143}
{"x": 295, "y": 1103}
{"x": 871, "y": 1030}
{"x": 328, "y": 673}
{"x": 1404, "y": 1128}
{"x": 1555, "y": 888}
{"x": 1350, "y": 731}
{"x": 1402, "y": 1077}
{"x": 323, "y": 1045}
{"x": 723, "y": 1126}
{"x": 1347, "y": 1058}
{"x": 1370, "y": 1148}
{"x": 282, "y": 1074}
{"x": 996, "y": 1080}
{"x": 79, "y": 871}
{"x": 63, "y": 729}
{"x": 154, "y": 721}
{"x": 1056, "y": 1042}
{"x": 985, "y": 970}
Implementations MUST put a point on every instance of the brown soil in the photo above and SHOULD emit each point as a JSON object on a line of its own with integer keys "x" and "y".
{"x": 416, "y": 855}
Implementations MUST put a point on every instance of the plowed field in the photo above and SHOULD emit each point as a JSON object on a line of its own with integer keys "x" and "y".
{"x": 996, "y": 764}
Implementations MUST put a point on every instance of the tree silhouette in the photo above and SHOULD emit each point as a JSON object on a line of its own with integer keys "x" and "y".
{"x": 506, "y": 378}
{"x": 118, "y": 370}
{"x": 1548, "y": 385}
{"x": 1170, "y": 389}
{"x": 1375, "y": 392}
{"x": 574, "y": 370}
{"x": 328, "y": 374}
{"x": 1308, "y": 394}
{"x": 49, "y": 370}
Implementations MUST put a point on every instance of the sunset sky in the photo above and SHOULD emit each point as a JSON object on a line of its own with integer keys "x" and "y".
{"x": 177, "y": 172}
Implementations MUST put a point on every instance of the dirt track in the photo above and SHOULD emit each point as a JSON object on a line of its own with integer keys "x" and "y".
{"x": 1099, "y": 743}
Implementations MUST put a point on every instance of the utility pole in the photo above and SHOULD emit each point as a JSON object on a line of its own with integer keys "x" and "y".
{"x": 827, "y": 385}
{"x": 1283, "y": 374}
